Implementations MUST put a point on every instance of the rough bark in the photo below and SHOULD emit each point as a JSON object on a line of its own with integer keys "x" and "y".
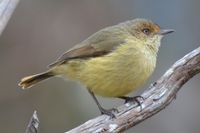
{"x": 33, "y": 124}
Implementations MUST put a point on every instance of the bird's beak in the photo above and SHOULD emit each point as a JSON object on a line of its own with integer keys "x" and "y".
{"x": 165, "y": 31}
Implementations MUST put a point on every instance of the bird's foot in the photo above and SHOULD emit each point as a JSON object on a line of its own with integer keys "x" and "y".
{"x": 138, "y": 99}
{"x": 109, "y": 112}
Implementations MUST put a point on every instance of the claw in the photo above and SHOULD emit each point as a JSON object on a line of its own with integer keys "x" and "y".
{"x": 109, "y": 112}
{"x": 133, "y": 99}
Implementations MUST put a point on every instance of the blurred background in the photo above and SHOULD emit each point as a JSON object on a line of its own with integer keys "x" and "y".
{"x": 41, "y": 30}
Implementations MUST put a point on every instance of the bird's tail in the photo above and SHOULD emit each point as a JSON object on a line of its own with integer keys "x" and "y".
{"x": 30, "y": 81}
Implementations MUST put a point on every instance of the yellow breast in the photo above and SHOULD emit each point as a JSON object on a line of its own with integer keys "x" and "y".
{"x": 116, "y": 74}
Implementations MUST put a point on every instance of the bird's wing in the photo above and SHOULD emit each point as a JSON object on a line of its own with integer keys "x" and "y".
{"x": 79, "y": 53}
{"x": 101, "y": 43}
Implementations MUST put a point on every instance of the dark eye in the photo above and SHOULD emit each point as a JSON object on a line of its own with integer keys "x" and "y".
{"x": 146, "y": 31}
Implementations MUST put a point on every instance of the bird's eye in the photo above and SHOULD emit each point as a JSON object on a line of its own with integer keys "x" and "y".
{"x": 146, "y": 31}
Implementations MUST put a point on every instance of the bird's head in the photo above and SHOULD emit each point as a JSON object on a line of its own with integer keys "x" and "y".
{"x": 147, "y": 32}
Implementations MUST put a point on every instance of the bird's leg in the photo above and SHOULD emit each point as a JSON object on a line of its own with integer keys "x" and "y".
{"x": 133, "y": 99}
{"x": 108, "y": 112}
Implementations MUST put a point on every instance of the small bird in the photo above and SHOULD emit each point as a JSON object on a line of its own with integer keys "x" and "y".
{"x": 111, "y": 63}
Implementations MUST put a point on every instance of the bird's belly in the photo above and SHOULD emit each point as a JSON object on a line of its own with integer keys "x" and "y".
{"x": 112, "y": 78}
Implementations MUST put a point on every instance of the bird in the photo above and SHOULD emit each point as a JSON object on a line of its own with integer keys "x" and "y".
{"x": 112, "y": 62}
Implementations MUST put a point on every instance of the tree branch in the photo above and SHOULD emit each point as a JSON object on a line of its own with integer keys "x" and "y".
{"x": 6, "y": 9}
{"x": 33, "y": 124}
{"x": 157, "y": 97}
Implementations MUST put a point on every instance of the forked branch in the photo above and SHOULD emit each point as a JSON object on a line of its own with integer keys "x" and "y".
{"x": 157, "y": 97}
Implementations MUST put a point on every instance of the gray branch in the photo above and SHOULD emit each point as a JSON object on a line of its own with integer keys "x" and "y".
{"x": 156, "y": 98}
{"x": 33, "y": 124}
{"x": 6, "y": 9}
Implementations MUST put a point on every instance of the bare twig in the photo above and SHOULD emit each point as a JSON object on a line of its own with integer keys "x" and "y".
{"x": 33, "y": 124}
{"x": 157, "y": 97}
{"x": 6, "y": 9}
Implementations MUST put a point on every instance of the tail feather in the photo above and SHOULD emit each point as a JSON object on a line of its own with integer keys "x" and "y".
{"x": 30, "y": 81}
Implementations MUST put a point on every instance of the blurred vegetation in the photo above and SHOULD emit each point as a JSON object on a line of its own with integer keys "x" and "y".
{"x": 41, "y": 30}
